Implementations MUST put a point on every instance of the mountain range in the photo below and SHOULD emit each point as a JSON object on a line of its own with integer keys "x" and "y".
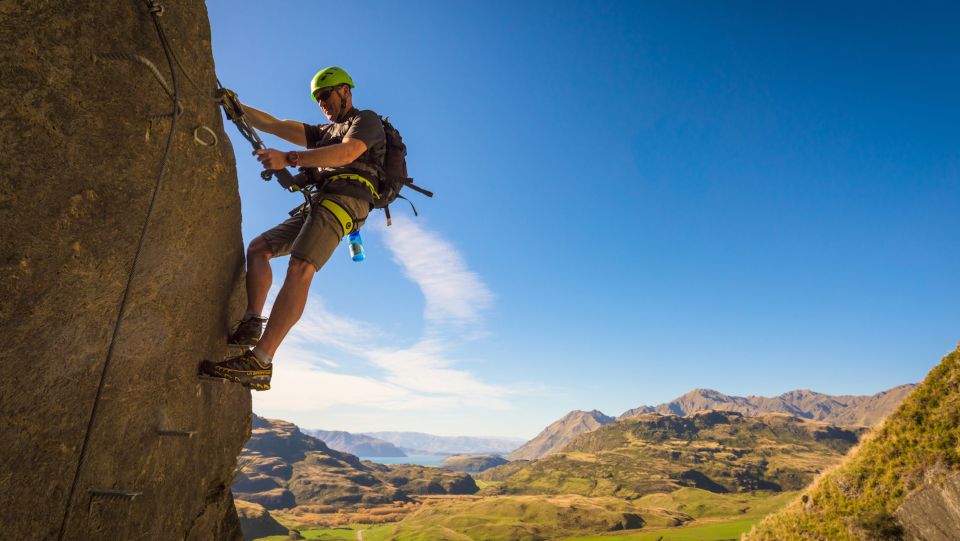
{"x": 418, "y": 443}
{"x": 844, "y": 410}
{"x": 356, "y": 444}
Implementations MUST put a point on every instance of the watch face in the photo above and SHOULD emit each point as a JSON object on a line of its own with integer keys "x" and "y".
{"x": 292, "y": 158}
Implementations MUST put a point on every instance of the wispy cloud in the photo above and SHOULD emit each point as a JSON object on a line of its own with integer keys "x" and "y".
{"x": 452, "y": 291}
{"x": 331, "y": 360}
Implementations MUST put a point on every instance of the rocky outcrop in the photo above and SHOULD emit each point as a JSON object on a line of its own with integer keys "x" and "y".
{"x": 932, "y": 513}
{"x": 106, "y": 432}
{"x": 560, "y": 433}
{"x": 256, "y": 522}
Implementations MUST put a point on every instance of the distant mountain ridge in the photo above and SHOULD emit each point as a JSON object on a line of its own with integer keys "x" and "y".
{"x": 560, "y": 433}
{"x": 414, "y": 443}
{"x": 845, "y": 410}
{"x": 356, "y": 444}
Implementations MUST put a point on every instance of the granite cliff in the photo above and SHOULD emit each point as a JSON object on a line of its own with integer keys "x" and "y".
{"x": 122, "y": 259}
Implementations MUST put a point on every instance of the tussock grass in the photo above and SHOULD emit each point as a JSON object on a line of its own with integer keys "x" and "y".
{"x": 918, "y": 442}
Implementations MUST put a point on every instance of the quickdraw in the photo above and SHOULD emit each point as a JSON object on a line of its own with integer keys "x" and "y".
{"x": 234, "y": 111}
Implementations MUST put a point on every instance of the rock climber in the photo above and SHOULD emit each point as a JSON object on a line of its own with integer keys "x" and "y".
{"x": 348, "y": 153}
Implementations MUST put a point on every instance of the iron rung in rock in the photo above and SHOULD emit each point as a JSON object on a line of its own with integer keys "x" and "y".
{"x": 113, "y": 494}
{"x": 179, "y": 433}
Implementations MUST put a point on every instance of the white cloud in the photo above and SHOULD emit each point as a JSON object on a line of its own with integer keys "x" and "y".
{"x": 329, "y": 360}
{"x": 453, "y": 292}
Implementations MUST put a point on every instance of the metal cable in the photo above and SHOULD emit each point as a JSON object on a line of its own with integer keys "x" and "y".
{"x": 142, "y": 60}
{"x": 156, "y": 10}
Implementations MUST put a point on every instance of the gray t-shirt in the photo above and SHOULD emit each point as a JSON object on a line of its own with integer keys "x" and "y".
{"x": 363, "y": 125}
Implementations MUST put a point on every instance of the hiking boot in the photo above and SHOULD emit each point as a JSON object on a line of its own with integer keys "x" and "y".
{"x": 245, "y": 370}
{"x": 248, "y": 332}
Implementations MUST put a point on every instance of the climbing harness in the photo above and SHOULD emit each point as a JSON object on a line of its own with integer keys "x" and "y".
{"x": 341, "y": 214}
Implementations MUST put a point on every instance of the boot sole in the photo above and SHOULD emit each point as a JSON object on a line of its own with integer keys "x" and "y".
{"x": 254, "y": 384}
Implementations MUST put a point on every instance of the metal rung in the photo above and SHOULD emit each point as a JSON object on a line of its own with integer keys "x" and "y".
{"x": 114, "y": 494}
{"x": 213, "y": 379}
{"x": 180, "y": 433}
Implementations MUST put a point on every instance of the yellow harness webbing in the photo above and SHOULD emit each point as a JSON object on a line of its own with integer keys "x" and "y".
{"x": 358, "y": 178}
{"x": 346, "y": 221}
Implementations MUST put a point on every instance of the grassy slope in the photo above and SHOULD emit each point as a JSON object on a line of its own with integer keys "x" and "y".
{"x": 857, "y": 500}
{"x": 512, "y": 518}
{"x": 370, "y": 533}
{"x": 721, "y": 531}
{"x": 653, "y": 453}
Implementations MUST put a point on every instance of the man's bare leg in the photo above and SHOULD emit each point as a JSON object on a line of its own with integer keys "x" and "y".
{"x": 259, "y": 274}
{"x": 289, "y": 305}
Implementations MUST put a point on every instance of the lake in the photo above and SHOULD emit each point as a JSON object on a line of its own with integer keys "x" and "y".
{"x": 423, "y": 460}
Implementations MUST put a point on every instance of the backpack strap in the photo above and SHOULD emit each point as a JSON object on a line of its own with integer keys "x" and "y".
{"x": 408, "y": 182}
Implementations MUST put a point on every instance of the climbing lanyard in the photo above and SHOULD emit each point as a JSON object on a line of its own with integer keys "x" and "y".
{"x": 234, "y": 111}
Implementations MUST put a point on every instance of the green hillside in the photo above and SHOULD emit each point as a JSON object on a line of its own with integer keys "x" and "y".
{"x": 529, "y": 518}
{"x": 920, "y": 440}
{"x": 717, "y": 451}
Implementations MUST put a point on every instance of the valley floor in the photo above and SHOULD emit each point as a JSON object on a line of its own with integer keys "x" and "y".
{"x": 715, "y": 517}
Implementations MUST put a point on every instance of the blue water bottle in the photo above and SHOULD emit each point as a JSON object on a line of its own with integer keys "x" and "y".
{"x": 356, "y": 247}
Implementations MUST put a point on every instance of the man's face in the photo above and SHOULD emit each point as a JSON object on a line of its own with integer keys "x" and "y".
{"x": 330, "y": 101}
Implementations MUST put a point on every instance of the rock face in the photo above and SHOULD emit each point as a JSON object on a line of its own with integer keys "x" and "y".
{"x": 843, "y": 410}
{"x": 89, "y": 404}
{"x": 561, "y": 432}
{"x": 932, "y": 513}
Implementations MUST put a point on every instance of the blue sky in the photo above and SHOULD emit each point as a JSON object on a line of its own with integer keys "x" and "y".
{"x": 633, "y": 200}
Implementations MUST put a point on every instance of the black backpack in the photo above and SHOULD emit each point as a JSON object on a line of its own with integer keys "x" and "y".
{"x": 395, "y": 172}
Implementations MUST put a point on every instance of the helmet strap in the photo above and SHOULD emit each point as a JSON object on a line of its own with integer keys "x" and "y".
{"x": 343, "y": 107}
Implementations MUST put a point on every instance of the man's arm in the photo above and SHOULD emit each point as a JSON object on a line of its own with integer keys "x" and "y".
{"x": 329, "y": 156}
{"x": 289, "y": 130}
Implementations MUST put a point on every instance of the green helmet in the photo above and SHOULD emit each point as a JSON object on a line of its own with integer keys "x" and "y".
{"x": 328, "y": 77}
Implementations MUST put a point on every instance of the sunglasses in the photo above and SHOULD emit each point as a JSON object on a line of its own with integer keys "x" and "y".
{"x": 322, "y": 95}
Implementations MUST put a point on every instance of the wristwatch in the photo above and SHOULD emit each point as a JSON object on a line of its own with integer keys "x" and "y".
{"x": 293, "y": 158}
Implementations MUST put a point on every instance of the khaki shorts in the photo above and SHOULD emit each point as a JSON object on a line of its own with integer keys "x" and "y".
{"x": 313, "y": 238}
